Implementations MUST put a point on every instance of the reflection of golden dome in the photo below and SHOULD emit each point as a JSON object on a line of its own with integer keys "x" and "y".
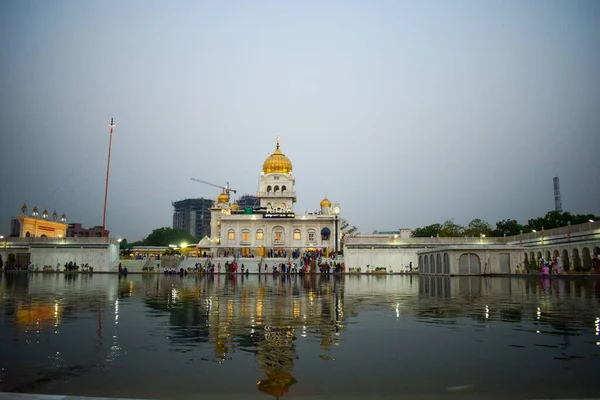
{"x": 223, "y": 198}
{"x": 277, "y": 162}
{"x": 325, "y": 202}
{"x": 235, "y": 206}
{"x": 277, "y": 384}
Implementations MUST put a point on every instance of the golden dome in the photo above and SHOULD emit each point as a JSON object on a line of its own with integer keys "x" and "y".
{"x": 325, "y": 202}
{"x": 223, "y": 198}
{"x": 277, "y": 162}
{"x": 235, "y": 206}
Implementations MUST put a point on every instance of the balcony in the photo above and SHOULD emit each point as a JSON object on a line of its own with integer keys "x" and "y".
{"x": 277, "y": 194}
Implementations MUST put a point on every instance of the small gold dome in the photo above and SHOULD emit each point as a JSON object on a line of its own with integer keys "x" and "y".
{"x": 277, "y": 162}
{"x": 223, "y": 198}
{"x": 325, "y": 202}
{"x": 235, "y": 206}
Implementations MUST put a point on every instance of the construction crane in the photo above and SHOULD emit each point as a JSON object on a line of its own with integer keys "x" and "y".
{"x": 225, "y": 188}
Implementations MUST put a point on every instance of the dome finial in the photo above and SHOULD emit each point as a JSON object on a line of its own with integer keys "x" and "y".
{"x": 277, "y": 141}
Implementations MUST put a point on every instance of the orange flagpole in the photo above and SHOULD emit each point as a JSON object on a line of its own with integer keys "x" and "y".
{"x": 107, "y": 172}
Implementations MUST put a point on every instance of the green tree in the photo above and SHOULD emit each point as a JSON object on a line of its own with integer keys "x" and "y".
{"x": 510, "y": 227}
{"x": 451, "y": 229}
{"x": 478, "y": 227}
{"x": 166, "y": 236}
{"x": 427, "y": 231}
{"x": 555, "y": 219}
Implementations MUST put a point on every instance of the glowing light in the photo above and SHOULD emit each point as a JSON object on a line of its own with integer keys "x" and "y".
{"x": 539, "y": 313}
{"x": 533, "y": 230}
{"x": 487, "y": 312}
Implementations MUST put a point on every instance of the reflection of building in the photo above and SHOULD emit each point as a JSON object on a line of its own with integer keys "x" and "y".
{"x": 273, "y": 228}
{"x": 192, "y": 216}
{"x": 36, "y": 225}
{"x": 77, "y": 230}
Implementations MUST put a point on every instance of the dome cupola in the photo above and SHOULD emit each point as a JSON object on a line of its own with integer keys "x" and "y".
{"x": 325, "y": 202}
{"x": 223, "y": 198}
{"x": 277, "y": 162}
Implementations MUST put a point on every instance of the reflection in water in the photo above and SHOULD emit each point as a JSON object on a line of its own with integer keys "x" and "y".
{"x": 61, "y": 334}
{"x": 277, "y": 384}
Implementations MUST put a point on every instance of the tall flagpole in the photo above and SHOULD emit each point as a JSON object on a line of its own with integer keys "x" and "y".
{"x": 107, "y": 172}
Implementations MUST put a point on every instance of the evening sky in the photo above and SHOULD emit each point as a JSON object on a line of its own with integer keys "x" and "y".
{"x": 407, "y": 113}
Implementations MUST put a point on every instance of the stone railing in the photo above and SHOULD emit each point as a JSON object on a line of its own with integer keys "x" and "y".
{"x": 23, "y": 241}
{"x": 277, "y": 194}
{"x": 375, "y": 240}
{"x": 587, "y": 230}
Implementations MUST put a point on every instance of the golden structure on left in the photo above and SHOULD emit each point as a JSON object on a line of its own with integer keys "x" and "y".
{"x": 36, "y": 225}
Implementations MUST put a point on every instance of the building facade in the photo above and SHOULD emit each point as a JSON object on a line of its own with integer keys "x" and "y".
{"x": 192, "y": 216}
{"x": 77, "y": 230}
{"x": 272, "y": 228}
{"x": 36, "y": 225}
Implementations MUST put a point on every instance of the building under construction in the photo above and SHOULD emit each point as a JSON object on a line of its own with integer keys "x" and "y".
{"x": 193, "y": 215}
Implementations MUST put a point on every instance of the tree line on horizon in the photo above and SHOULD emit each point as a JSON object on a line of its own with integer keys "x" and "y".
{"x": 509, "y": 227}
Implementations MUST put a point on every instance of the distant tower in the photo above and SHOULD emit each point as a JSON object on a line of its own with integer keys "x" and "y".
{"x": 557, "y": 200}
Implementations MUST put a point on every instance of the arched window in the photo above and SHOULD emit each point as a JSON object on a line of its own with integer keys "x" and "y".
{"x": 269, "y": 188}
{"x": 276, "y": 189}
{"x": 325, "y": 233}
{"x": 245, "y": 236}
{"x": 278, "y": 235}
{"x": 259, "y": 234}
{"x": 231, "y": 234}
{"x": 311, "y": 236}
{"x": 297, "y": 235}
{"x": 283, "y": 188}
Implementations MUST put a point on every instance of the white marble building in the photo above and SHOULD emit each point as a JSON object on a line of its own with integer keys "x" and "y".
{"x": 273, "y": 229}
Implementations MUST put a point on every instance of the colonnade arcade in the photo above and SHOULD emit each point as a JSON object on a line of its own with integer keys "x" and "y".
{"x": 577, "y": 257}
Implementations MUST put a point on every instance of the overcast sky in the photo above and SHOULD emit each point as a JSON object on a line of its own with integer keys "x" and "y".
{"x": 407, "y": 113}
